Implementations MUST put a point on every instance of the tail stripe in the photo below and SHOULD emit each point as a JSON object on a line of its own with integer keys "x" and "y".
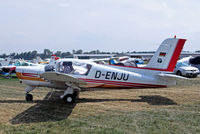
{"x": 176, "y": 54}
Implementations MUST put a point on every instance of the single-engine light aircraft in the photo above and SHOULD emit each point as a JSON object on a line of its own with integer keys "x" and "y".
{"x": 74, "y": 75}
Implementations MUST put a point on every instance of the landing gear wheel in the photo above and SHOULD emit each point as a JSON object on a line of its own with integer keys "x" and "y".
{"x": 69, "y": 98}
{"x": 29, "y": 97}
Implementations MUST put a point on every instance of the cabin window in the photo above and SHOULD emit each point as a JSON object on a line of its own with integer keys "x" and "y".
{"x": 76, "y": 68}
{"x": 25, "y": 64}
{"x": 81, "y": 68}
{"x": 67, "y": 67}
{"x": 88, "y": 67}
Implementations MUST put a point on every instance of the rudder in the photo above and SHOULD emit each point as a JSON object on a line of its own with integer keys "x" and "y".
{"x": 166, "y": 57}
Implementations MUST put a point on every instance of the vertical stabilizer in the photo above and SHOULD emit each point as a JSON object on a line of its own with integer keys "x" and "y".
{"x": 165, "y": 58}
{"x": 53, "y": 60}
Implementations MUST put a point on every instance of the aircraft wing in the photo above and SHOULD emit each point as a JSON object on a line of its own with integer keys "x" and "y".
{"x": 104, "y": 59}
{"x": 60, "y": 77}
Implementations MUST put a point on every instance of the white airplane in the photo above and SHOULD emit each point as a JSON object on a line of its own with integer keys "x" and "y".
{"x": 192, "y": 61}
{"x": 5, "y": 62}
{"x": 186, "y": 60}
{"x": 10, "y": 69}
{"x": 73, "y": 75}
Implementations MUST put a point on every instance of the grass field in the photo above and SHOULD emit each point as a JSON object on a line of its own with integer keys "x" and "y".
{"x": 144, "y": 111}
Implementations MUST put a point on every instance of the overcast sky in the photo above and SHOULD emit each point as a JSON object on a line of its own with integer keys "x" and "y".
{"x": 107, "y": 25}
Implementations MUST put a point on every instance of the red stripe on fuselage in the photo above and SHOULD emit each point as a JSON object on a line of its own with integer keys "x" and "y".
{"x": 118, "y": 83}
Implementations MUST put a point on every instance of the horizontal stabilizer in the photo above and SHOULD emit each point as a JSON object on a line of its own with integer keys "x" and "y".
{"x": 172, "y": 79}
{"x": 171, "y": 76}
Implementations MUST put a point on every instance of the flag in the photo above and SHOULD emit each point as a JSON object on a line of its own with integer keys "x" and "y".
{"x": 162, "y": 54}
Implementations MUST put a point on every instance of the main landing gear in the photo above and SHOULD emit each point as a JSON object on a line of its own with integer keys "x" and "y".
{"x": 69, "y": 95}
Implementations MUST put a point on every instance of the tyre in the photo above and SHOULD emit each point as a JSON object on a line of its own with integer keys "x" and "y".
{"x": 194, "y": 75}
{"x": 69, "y": 98}
{"x": 75, "y": 94}
{"x": 179, "y": 73}
{"x": 29, "y": 97}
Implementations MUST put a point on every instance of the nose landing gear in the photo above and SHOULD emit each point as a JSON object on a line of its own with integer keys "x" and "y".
{"x": 29, "y": 97}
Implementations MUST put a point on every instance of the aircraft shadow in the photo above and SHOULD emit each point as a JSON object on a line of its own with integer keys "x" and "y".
{"x": 150, "y": 99}
{"x": 50, "y": 109}
{"x": 54, "y": 109}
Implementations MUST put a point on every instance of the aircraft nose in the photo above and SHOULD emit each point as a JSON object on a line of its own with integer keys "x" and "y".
{"x": 30, "y": 69}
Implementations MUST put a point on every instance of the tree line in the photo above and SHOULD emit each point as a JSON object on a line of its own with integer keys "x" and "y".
{"x": 47, "y": 54}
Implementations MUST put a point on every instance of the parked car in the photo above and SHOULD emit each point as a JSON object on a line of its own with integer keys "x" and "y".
{"x": 186, "y": 70}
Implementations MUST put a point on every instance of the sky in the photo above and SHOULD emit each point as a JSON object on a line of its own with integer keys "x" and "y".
{"x": 107, "y": 25}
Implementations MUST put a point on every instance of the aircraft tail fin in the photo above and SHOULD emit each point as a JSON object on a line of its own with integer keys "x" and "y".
{"x": 166, "y": 57}
{"x": 53, "y": 60}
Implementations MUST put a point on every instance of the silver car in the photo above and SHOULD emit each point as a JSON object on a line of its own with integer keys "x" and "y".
{"x": 186, "y": 70}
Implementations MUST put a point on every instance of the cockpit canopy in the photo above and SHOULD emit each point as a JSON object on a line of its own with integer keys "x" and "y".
{"x": 70, "y": 67}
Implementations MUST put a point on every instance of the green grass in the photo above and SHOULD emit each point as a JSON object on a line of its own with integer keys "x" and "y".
{"x": 50, "y": 115}
{"x": 2, "y": 79}
{"x": 163, "y": 121}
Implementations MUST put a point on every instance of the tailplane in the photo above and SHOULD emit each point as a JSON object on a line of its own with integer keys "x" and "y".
{"x": 165, "y": 58}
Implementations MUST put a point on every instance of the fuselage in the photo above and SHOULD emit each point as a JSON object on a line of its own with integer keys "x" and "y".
{"x": 99, "y": 76}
